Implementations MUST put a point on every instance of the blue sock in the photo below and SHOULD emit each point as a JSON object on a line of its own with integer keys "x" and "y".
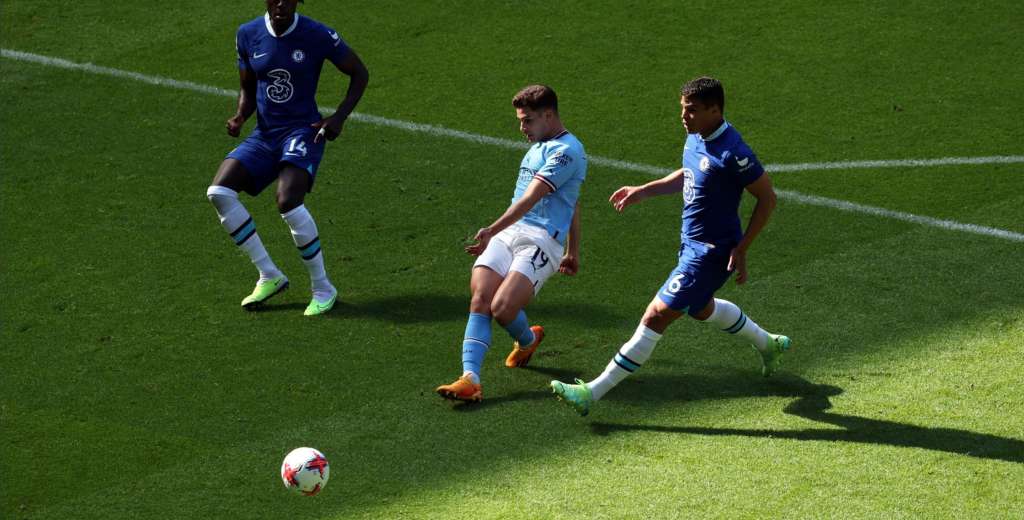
{"x": 476, "y": 342}
{"x": 520, "y": 331}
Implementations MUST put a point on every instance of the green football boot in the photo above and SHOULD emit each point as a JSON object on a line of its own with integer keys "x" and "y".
{"x": 317, "y": 307}
{"x": 577, "y": 396}
{"x": 264, "y": 291}
{"x": 771, "y": 357}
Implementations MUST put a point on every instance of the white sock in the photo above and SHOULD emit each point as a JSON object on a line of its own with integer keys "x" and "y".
{"x": 728, "y": 317}
{"x": 307, "y": 239}
{"x": 630, "y": 357}
{"x": 238, "y": 223}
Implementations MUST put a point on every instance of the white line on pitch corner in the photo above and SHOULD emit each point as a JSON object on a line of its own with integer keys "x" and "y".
{"x": 598, "y": 160}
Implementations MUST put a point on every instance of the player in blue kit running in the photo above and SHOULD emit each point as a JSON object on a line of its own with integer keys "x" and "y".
{"x": 717, "y": 167}
{"x": 519, "y": 251}
{"x": 279, "y": 59}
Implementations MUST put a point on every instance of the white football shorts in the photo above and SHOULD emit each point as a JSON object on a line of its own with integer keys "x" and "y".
{"x": 524, "y": 249}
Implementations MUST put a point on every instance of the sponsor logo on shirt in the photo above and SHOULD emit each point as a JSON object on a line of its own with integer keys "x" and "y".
{"x": 743, "y": 163}
{"x": 688, "y": 193}
{"x": 560, "y": 159}
{"x": 336, "y": 38}
{"x": 526, "y": 174}
{"x": 281, "y": 90}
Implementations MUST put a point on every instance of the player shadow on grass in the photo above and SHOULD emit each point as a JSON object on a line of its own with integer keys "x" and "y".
{"x": 276, "y": 307}
{"x": 433, "y": 307}
{"x": 412, "y": 308}
{"x": 541, "y": 393}
{"x": 813, "y": 404}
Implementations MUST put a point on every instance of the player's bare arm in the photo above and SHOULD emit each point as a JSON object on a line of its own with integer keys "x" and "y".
{"x": 628, "y": 195}
{"x": 246, "y": 101}
{"x": 534, "y": 192}
{"x": 762, "y": 190}
{"x": 571, "y": 259}
{"x": 359, "y": 77}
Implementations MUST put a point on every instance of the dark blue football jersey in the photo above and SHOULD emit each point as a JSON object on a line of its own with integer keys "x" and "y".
{"x": 288, "y": 68}
{"x": 716, "y": 170}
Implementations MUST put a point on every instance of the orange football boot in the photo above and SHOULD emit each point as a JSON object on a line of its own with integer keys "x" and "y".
{"x": 520, "y": 356}
{"x": 463, "y": 389}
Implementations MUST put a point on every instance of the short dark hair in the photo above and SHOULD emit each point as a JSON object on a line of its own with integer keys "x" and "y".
{"x": 536, "y": 97}
{"x": 706, "y": 90}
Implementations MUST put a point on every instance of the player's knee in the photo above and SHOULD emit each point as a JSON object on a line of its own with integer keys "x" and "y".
{"x": 221, "y": 197}
{"x": 287, "y": 202}
{"x": 503, "y": 311}
{"x": 704, "y": 313}
{"x": 657, "y": 319}
{"x": 480, "y": 303}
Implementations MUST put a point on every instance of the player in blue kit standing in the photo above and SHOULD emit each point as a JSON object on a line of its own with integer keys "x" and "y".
{"x": 717, "y": 167}
{"x": 279, "y": 59}
{"x": 517, "y": 253}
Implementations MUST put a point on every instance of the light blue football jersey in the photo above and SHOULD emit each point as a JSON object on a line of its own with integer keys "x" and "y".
{"x": 562, "y": 164}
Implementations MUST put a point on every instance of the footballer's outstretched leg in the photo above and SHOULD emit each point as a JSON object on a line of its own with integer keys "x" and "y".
{"x": 771, "y": 357}
{"x": 727, "y": 316}
{"x": 633, "y": 354}
{"x": 577, "y": 396}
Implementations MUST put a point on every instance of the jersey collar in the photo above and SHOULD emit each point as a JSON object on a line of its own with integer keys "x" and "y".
{"x": 270, "y": 26}
{"x": 717, "y": 133}
{"x": 560, "y": 134}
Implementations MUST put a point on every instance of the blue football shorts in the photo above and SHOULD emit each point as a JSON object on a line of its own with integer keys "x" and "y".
{"x": 264, "y": 154}
{"x": 701, "y": 271}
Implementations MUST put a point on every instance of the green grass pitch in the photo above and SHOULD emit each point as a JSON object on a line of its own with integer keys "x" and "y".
{"x": 133, "y": 386}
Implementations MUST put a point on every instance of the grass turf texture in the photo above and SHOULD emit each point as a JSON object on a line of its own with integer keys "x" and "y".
{"x": 134, "y": 386}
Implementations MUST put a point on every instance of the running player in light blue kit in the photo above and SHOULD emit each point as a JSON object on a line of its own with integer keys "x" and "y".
{"x": 517, "y": 253}
{"x": 717, "y": 167}
{"x": 280, "y": 56}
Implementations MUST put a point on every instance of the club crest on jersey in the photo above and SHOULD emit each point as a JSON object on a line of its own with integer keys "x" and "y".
{"x": 298, "y": 56}
{"x": 705, "y": 164}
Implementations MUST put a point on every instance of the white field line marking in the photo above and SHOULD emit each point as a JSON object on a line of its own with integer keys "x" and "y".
{"x": 602, "y": 161}
{"x": 843, "y": 205}
{"x": 900, "y": 163}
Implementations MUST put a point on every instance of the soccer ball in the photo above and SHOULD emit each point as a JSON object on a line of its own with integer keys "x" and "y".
{"x": 305, "y": 471}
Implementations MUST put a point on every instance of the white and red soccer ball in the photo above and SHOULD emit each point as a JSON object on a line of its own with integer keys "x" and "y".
{"x": 305, "y": 471}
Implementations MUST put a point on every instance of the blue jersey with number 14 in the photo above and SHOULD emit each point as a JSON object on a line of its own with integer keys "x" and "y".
{"x": 287, "y": 68}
